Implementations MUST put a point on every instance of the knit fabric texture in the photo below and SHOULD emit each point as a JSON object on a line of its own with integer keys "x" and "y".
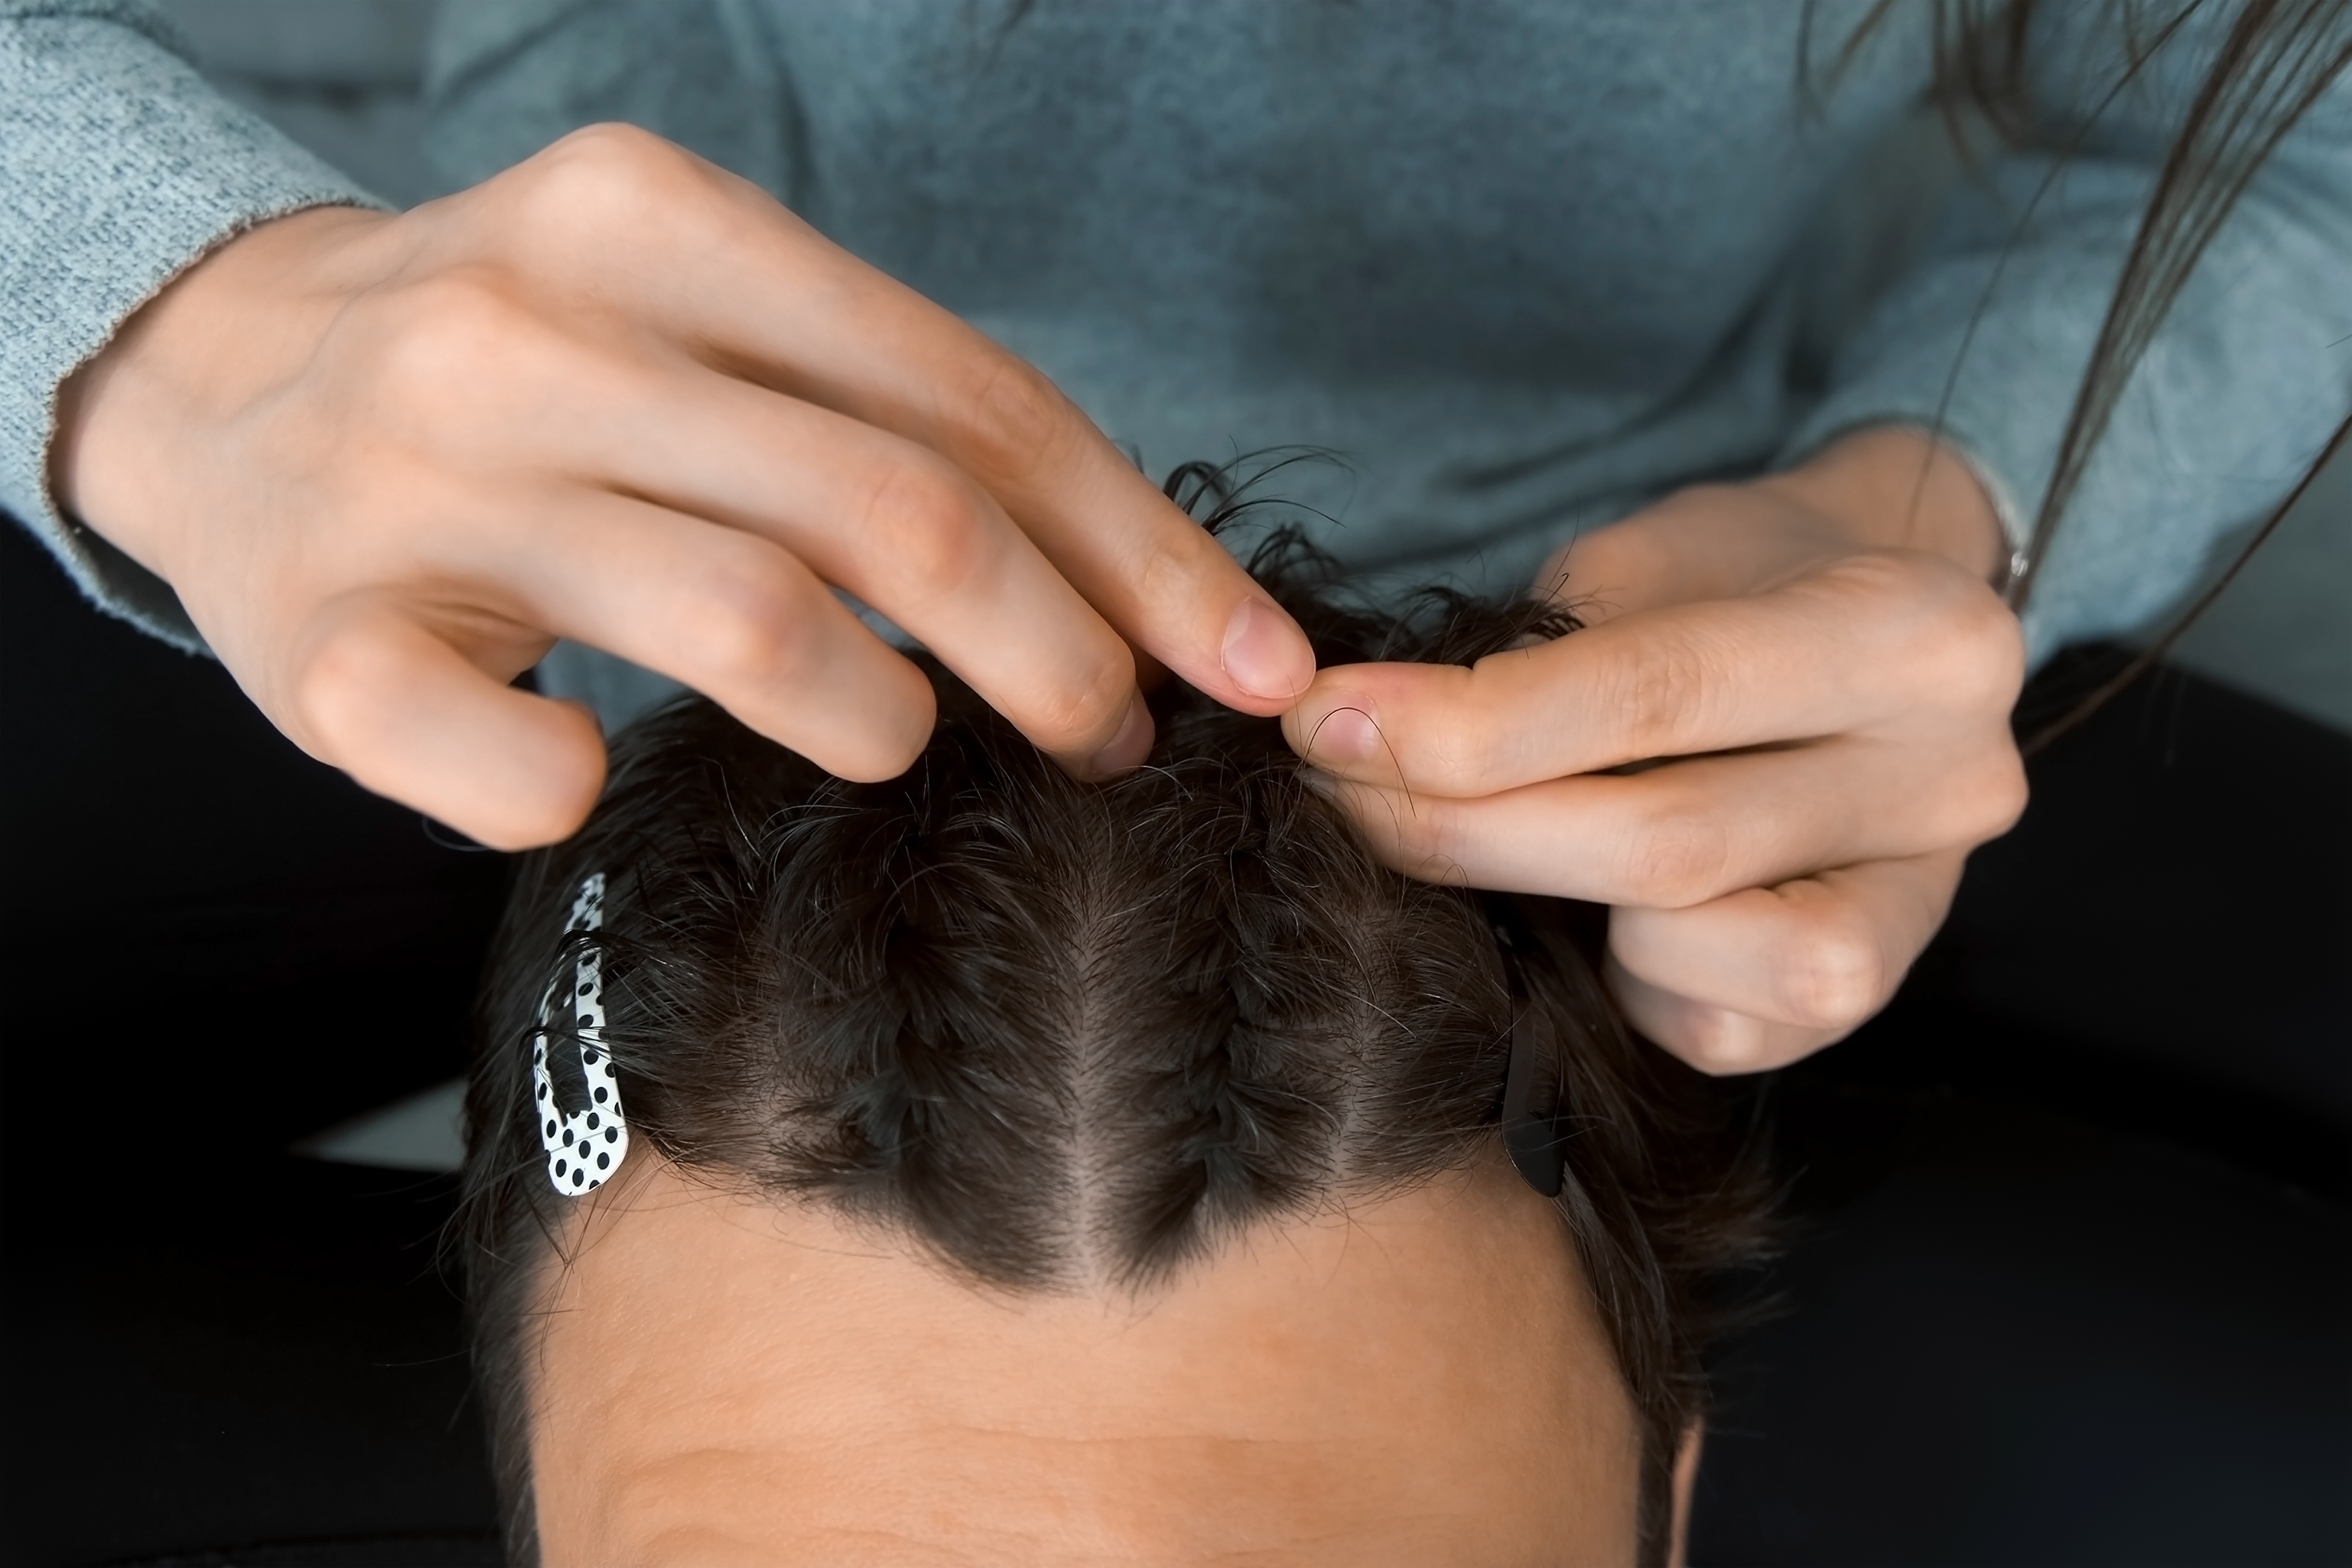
{"x": 1524, "y": 265}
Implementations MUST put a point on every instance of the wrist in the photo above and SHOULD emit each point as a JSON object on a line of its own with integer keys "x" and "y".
{"x": 207, "y": 340}
{"x": 1892, "y": 487}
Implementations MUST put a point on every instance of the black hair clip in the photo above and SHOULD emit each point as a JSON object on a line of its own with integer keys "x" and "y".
{"x": 1530, "y": 1113}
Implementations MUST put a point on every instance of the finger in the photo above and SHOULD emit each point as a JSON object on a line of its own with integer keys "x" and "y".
{"x": 1755, "y": 979}
{"x": 726, "y": 613}
{"x": 1690, "y": 832}
{"x": 1871, "y": 639}
{"x": 1707, "y": 542}
{"x": 896, "y": 525}
{"x": 1710, "y": 1038}
{"x": 406, "y": 715}
{"x": 893, "y": 360}
{"x": 770, "y": 297}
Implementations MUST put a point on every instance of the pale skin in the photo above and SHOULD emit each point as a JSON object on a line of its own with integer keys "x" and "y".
{"x": 1824, "y": 649}
{"x": 1420, "y": 1379}
{"x": 619, "y": 396}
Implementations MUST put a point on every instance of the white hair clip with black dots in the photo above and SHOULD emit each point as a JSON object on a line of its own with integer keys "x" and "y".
{"x": 586, "y": 1147}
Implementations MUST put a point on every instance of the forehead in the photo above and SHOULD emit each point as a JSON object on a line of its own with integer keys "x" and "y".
{"x": 1422, "y": 1378}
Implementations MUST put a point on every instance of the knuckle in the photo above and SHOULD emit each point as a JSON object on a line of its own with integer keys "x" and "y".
{"x": 1436, "y": 833}
{"x": 1015, "y": 419}
{"x": 556, "y": 811}
{"x": 1458, "y": 749}
{"x": 446, "y": 331}
{"x": 1720, "y": 1042}
{"x": 883, "y": 744}
{"x": 610, "y": 170}
{"x": 897, "y": 748}
{"x": 1662, "y": 686}
{"x": 1954, "y": 639}
{"x": 333, "y": 696}
{"x": 550, "y": 800}
{"x": 1880, "y": 577}
{"x": 1975, "y": 800}
{"x": 1835, "y": 974}
{"x": 754, "y": 631}
{"x": 1974, "y": 649}
{"x": 1085, "y": 713}
{"x": 1676, "y": 858}
{"x": 924, "y": 521}
{"x": 1420, "y": 838}
{"x": 2010, "y": 795}
{"x": 1087, "y": 710}
{"x": 1999, "y": 797}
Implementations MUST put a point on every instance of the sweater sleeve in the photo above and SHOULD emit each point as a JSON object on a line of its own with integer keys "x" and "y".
{"x": 121, "y": 168}
{"x": 2247, "y": 375}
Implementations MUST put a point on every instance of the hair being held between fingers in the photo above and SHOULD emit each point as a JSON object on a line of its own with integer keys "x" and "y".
{"x": 385, "y": 461}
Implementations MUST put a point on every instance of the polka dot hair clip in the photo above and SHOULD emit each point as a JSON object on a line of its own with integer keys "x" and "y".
{"x": 584, "y": 1148}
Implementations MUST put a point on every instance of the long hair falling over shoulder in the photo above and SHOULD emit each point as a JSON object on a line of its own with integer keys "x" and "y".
{"x": 2275, "y": 62}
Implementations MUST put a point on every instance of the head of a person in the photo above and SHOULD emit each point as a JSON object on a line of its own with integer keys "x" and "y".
{"x": 1033, "y": 1171}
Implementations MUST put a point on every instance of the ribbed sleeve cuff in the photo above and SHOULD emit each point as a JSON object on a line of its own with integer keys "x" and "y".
{"x": 1986, "y": 343}
{"x": 1985, "y": 353}
{"x": 121, "y": 167}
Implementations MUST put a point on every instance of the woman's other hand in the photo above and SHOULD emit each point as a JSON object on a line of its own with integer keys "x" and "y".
{"x": 1816, "y": 681}
{"x": 619, "y": 396}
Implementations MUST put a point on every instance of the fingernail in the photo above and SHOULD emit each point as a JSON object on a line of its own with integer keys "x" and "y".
{"x": 1128, "y": 747}
{"x": 1343, "y": 735}
{"x": 1262, "y": 653}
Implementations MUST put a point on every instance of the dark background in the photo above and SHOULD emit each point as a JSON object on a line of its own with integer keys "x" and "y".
{"x": 2074, "y": 1275}
{"x": 214, "y": 945}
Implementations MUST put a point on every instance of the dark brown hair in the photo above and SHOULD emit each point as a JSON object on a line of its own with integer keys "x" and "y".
{"x": 1074, "y": 1037}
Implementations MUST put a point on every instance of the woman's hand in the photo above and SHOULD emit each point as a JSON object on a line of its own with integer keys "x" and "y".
{"x": 1820, "y": 658}
{"x": 619, "y": 396}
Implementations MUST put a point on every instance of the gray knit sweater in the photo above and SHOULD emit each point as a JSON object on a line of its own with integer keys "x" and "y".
{"x": 1523, "y": 263}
